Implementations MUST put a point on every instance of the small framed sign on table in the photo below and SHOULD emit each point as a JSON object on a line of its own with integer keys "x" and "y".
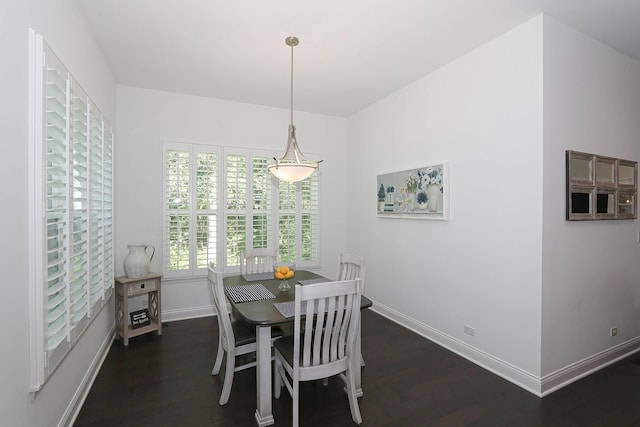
{"x": 140, "y": 318}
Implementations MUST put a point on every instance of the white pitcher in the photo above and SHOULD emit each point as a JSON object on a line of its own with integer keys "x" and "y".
{"x": 137, "y": 263}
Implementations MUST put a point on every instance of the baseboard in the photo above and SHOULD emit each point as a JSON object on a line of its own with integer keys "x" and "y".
{"x": 73, "y": 409}
{"x": 499, "y": 367}
{"x": 532, "y": 383}
{"x": 589, "y": 365}
{"x": 187, "y": 313}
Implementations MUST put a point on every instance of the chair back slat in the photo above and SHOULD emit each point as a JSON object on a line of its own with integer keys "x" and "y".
{"x": 329, "y": 339}
{"x": 308, "y": 335}
{"x": 257, "y": 260}
{"x": 345, "y": 321}
{"x": 318, "y": 332}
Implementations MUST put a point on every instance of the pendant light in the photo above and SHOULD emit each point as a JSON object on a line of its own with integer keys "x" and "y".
{"x": 293, "y": 166}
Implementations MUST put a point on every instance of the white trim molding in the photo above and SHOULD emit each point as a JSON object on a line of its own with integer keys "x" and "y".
{"x": 75, "y": 405}
{"x": 499, "y": 367}
{"x": 188, "y": 313}
{"x": 571, "y": 373}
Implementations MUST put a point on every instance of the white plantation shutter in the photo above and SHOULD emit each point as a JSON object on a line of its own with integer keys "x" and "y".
{"x": 287, "y": 221}
{"x": 191, "y": 187}
{"x": 298, "y": 222}
{"x": 309, "y": 222}
{"x": 79, "y": 248}
{"x": 96, "y": 225}
{"x": 261, "y": 195}
{"x": 248, "y": 203}
{"x": 177, "y": 202}
{"x": 207, "y": 208}
{"x": 236, "y": 207}
{"x": 70, "y": 148}
{"x": 108, "y": 270}
{"x": 56, "y": 161}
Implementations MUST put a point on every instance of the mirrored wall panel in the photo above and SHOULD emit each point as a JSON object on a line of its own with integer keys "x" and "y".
{"x": 600, "y": 187}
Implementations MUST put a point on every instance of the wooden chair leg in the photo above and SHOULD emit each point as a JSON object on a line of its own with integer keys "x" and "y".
{"x": 277, "y": 379}
{"x": 353, "y": 399}
{"x": 219, "y": 356}
{"x": 228, "y": 379}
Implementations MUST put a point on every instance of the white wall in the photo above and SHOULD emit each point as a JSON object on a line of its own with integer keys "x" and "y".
{"x": 590, "y": 269}
{"x": 146, "y": 118}
{"x": 63, "y": 27}
{"x": 541, "y": 292}
{"x": 483, "y": 114}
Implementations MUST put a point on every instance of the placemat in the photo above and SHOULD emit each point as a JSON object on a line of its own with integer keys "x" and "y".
{"x": 287, "y": 309}
{"x": 258, "y": 276}
{"x": 246, "y": 293}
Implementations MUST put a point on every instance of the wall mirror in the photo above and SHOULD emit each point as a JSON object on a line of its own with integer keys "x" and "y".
{"x": 605, "y": 204}
{"x": 600, "y": 187}
{"x": 627, "y": 172}
{"x": 581, "y": 169}
{"x": 605, "y": 172}
{"x": 626, "y": 205}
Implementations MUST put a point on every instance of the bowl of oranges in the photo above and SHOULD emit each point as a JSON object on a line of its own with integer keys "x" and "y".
{"x": 283, "y": 271}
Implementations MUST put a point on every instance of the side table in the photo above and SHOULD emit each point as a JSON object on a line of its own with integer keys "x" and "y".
{"x": 126, "y": 288}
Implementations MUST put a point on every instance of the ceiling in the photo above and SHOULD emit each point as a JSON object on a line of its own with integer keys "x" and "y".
{"x": 351, "y": 52}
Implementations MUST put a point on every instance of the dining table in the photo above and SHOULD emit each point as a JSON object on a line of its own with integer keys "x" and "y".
{"x": 252, "y": 298}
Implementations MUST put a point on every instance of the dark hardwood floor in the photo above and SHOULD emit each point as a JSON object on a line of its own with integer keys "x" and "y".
{"x": 408, "y": 381}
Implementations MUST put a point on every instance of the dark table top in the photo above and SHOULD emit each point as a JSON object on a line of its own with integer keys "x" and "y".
{"x": 263, "y": 312}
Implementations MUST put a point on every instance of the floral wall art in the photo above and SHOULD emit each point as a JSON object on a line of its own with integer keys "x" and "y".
{"x": 421, "y": 193}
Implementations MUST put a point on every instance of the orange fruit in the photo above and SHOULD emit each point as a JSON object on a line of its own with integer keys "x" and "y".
{"x": 278, "y": 275}
{"x": 289, "y": 274}
{"x": 283, "y": 269}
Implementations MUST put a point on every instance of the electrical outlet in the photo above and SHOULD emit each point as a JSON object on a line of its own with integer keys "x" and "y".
{"x": 469, "y": 330}
{"x": 613, "y": 332}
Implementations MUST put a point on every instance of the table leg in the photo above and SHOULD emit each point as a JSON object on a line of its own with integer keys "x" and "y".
{"x": 264, "y": 415}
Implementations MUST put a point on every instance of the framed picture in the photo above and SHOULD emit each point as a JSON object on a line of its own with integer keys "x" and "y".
{"x": 421, "y": 193}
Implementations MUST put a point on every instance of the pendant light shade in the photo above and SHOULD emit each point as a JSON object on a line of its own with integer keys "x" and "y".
{"x": 293, "y": 166}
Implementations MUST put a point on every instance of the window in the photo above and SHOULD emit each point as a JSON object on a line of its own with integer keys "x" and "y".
{"x": 222, "y": 200}
{"x": 71, "y": 228}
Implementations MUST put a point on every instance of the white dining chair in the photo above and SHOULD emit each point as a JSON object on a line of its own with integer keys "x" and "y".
{"x": 325, "y": 345}
{"x": 351, "y": 267}
{"x": 259, "y": 260}
{"x": 235, "y": 337}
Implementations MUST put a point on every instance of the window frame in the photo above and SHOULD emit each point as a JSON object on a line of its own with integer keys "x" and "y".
{"x": 248, "y": 210}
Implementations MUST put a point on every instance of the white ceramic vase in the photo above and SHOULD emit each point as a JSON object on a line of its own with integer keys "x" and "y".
{"x": 433, "y": 190}
{"x": 137, "y": 263}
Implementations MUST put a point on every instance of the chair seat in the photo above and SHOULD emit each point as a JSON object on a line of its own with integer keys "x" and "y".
{"x": 245, "y": 333}
{"x": 285, "y": 347}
